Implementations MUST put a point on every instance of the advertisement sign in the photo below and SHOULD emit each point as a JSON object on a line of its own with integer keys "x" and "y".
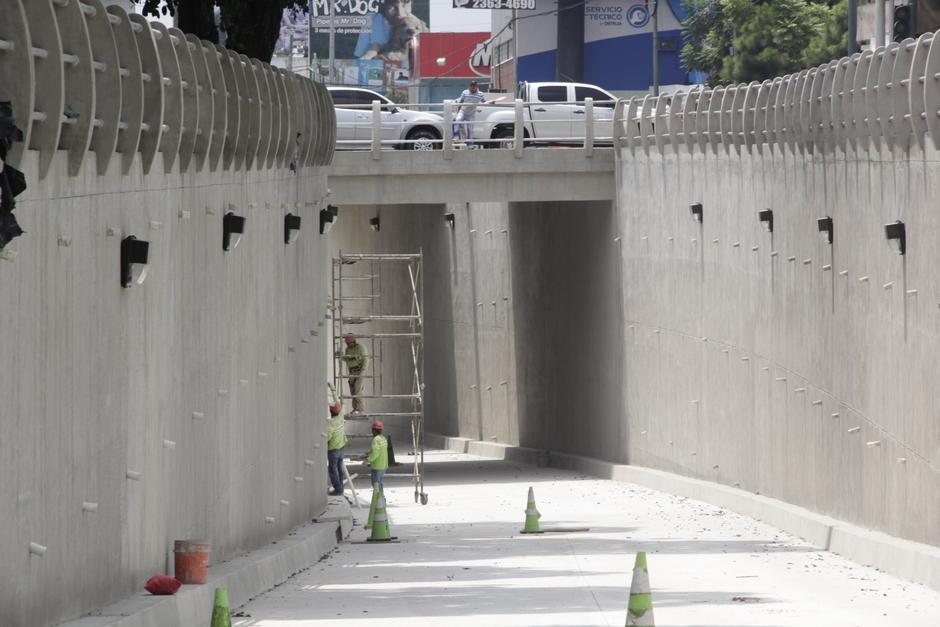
{"x": 368, "y": 29}
{"x": 374, "y": 40}
{"x": 494, "y": 4}
{"x": 453, "y": 55}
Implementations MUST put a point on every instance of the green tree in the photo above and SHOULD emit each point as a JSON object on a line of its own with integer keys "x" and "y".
{"x": 251, "y": 26}
{"x": 735, "y": 41}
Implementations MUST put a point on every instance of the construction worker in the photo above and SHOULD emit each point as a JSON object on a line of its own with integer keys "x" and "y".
{"x": 335, "y": 446}
{"x": 378, "y": 454}
{"x": 357, "y": 361}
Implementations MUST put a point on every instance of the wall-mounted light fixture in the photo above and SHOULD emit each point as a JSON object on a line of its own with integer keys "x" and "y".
{"x": 897, "y": 234}
{"x": 327, "y": 218}
{"x": 825, "y": 228}
{"x": 450, "y": 220}
{"x": 233, "y": 227}
{"x": 374, "y": 223}
{"x": 134, "y": 255}
{"x": 291, "y": 228}
{"x": 697, "y": 211}
{"x": 766, "y": 216}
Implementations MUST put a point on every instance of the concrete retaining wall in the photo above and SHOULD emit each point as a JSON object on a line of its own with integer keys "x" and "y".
{"x": 185, "y": 407}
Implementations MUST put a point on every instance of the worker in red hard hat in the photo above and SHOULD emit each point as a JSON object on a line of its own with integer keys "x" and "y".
{"x": 336, "y": 446}
{"x": 378, "y": 455}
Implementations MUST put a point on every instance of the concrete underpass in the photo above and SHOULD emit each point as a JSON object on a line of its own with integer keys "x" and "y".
{"x": 461, "y": 561}
{"x": 715, "y": 342}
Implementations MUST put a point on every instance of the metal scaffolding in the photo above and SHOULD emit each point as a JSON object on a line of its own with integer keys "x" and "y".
{"x": 361, "y": 306}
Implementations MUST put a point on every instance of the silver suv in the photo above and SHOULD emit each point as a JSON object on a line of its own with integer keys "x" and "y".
{"x": 407, "y": 129}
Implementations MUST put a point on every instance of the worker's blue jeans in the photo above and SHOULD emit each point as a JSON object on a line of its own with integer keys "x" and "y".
{"x": 335, "y": 459}
{"x": 378, "y": 476}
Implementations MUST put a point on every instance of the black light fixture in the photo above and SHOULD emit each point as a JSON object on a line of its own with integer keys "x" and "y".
{"x": 450, "y": 220}
{"x": 897, "y": 233}
{"x": 824, "y": 225}
{"x": 696, "y": 209}
{"x": 291, "y": 228}
{"x": 233, "y": 227}
{"x": 327, "y": 218}
{"x": 766, "y": 216}
{"x": 374, "y": 223}
{"x": 134, "y": 255}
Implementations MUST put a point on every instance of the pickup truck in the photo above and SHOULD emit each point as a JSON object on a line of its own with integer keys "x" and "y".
{"x": 554, "y": 113}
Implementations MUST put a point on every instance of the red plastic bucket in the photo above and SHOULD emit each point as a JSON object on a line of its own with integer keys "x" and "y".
{"x": 191, "y": 560}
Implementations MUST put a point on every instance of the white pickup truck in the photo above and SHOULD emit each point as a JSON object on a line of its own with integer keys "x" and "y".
{"x": 553, "y": 113}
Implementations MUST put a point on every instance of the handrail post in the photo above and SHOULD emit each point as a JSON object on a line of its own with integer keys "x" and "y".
{"x": 588, "y": 127}
{"x": 519, "y": 129}
{"x": 376, "y": 130}
{"x": 618, "y": 125}
{"x": 448, "y": 129}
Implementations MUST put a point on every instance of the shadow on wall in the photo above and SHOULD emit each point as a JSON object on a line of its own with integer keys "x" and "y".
{"x": 565, "y": 273}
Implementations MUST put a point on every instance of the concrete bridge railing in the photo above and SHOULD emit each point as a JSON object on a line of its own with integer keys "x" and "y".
{"x": 889, "y": 97}
{"x": 86, "y": 79}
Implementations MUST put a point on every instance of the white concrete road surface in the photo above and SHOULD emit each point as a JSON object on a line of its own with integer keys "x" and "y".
{"x": 461, "y": 562}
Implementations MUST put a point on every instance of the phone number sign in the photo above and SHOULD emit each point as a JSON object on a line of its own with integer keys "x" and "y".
{"x": 494, "y": 4}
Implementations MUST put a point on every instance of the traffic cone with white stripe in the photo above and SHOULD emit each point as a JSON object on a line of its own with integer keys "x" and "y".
{"x": 640, "y": 607}
{"x": 380, "y": 531}
{"x": 375, "y": 496}
{"x": 531, "y": 515}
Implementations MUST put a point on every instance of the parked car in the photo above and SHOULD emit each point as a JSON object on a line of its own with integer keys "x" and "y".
{"x": 415, "y": 130}
{"x": 554, "y": 113}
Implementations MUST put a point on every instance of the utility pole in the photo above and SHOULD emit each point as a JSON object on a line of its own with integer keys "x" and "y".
{"x": 310, "y": 39}
{"x": 853, "y": 27}
{"x": 655, "y": 47}
{"x": 515, "y": 52}
{"x": 332, "y": 42}
{"x": 880, "y": 23}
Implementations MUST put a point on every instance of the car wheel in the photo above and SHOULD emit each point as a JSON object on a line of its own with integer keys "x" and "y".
{"x": 505, "y": 139}
{"x": 423, "y": 139}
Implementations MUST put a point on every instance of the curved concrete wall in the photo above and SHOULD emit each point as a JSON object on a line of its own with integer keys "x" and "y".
{"x": 186, "y": 407}
{"x": 77, "y": 56}
{"x": 776, "y": 361}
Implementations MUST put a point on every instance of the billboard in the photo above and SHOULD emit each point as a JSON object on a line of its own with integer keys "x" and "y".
{"x": 373, "y": 40}
{"x": 452, "y": 55}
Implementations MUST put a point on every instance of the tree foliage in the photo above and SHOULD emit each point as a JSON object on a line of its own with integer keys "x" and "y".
{"x": 738, "y": 41}
{"x": 251, "y": 26}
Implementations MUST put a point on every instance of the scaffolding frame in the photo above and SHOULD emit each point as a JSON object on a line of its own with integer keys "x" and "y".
{"x": 348, "y": 281}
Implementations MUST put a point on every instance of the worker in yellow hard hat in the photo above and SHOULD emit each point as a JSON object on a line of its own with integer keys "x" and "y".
{"x": 357, "y": 361}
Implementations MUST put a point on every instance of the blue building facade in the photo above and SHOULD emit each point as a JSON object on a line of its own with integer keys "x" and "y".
{"x": 618, "y": 44}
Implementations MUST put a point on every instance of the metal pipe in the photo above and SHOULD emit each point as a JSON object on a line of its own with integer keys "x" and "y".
{"x": 655, "y": 47}
{"x": 880, "y": 6}
{"x": 853, "y": 27}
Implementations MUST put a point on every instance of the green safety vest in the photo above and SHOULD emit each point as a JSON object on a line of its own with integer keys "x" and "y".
{"x": 378, "y": 456}
{"x": 336, "y": 432}
{"x": 357, "y": 358}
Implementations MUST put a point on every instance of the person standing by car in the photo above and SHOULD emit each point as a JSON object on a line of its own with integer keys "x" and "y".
{"x": 468, "y": 101}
